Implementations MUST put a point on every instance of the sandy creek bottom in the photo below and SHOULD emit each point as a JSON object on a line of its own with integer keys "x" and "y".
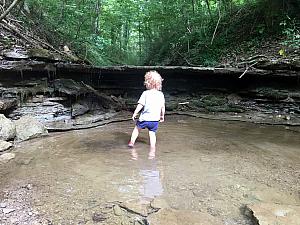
{"x": 211, "y": 167}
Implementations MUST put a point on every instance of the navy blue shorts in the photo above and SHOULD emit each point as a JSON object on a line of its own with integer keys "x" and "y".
{"x": 151, "y": 125}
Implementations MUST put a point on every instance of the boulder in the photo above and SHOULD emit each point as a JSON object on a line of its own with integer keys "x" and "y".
{"x": 6, "y": 104}
{"x": 233, "y": 99}
{"x": 6, "y": 157}
{"x": 79, "y": 109}
{"x": 4, "y": 145}
{"x": 7, "y": 128}
{"x": 28, "y": 127}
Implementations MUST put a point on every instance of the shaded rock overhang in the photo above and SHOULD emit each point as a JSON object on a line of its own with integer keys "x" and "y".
{"x": 131, "y": 77}
{"x": 40, "y": 66}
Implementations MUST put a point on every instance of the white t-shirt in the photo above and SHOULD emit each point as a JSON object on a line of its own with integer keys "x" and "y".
{"x": 152, "y": 100}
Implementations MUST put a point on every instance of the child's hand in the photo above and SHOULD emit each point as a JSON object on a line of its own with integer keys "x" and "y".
{"x": 133, "y": 117}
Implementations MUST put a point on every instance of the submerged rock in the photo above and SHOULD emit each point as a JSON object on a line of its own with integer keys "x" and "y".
{"x": 159, "y": 203}
{"x": 28, "y": 127}
{"x": 7, "y": 128}
{"x": 136, "y": 207}
{"x": 118, "y": 211}
{"x": 182, "y": 217}
{"x": 8, "y": 211}
{"x": 4, "y": 145}
{"x": 99, "y": 217}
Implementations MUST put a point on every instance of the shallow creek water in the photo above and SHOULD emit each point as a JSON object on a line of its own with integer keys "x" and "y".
{"x": 212, "y": 167}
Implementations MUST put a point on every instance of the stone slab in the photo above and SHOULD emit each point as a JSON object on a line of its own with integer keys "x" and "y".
{"x": 275, "y": 214}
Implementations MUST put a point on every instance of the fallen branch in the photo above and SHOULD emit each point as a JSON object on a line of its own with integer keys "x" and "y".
{"x": 183, "y": 103}
{"x": 253, "y": 59}
{"x": 10, "y": 28}
{"x": 13, "y": 4}
{"x": 256, "y": 57}
{"x": 247, "y": 69}
{"x": 16, "y": 21}
{"x": 2, "y": 9}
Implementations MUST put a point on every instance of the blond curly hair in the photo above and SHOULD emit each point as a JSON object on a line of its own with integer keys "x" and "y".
{"x": 153, "y": 80}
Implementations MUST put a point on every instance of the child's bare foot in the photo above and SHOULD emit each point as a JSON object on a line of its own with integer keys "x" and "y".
{"x": 130, "y": 144}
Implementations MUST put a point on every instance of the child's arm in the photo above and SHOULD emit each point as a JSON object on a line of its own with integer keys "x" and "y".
{"x": 137, "y": 110}
{"x": 162, "y": 113}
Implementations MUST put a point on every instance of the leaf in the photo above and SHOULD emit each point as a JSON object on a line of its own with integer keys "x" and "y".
{"x": 282, "y": 52}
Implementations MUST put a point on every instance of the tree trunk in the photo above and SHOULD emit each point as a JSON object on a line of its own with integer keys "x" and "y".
{"x": 126, "y": 34}
{"x": 140, "y": 43}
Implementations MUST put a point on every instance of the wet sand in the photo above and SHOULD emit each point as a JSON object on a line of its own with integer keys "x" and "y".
{"x": 212, "y": 167}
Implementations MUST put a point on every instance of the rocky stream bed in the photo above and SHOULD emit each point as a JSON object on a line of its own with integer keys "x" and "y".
{"x": 35, "y": 103}
{"x": 228, "y": 173}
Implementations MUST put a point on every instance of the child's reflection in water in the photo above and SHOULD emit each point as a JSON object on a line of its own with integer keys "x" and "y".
{"x": 152, "y": 186}
{"x": 134, "y": 155}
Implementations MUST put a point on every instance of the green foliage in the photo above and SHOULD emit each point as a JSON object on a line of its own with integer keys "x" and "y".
{"x": 203, "y": 34}
{"x": 291, "y": 31}
{"x": 103, "y": 32}
{"x": 161, "y": 32}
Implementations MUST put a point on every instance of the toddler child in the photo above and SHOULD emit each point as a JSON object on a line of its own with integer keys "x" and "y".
{"x": 152, "y": 104}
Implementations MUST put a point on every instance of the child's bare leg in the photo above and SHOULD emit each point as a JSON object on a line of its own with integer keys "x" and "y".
{"x": 134, "y": 135}
{"x": 152, "y": 137}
